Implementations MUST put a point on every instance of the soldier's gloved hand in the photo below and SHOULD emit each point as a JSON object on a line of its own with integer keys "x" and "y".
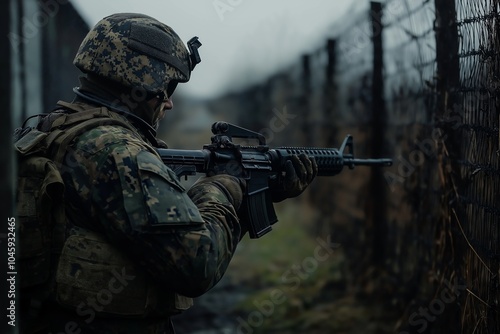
{"x": 300, "y": 170}
{"x": 231, "y": 186}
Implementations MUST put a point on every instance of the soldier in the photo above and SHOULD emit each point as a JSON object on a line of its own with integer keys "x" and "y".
{"x": 136, "y": 246}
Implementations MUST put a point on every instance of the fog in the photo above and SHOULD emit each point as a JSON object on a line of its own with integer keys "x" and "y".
{"x": 243, "y": 41}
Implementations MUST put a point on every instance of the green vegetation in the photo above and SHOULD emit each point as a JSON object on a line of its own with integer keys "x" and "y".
{"x": 297, "y": 284}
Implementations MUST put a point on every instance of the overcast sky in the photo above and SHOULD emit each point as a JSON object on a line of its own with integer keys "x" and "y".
{"x": 243, "y": 40}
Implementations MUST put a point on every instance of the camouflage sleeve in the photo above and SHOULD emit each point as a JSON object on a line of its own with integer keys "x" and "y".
{"x": 186, "y": 246}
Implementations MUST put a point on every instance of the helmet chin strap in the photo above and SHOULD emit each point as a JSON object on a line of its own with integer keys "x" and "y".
{"x": 149, "y": 131}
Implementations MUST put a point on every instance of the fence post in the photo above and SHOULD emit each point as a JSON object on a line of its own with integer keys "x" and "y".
{"x": 327, "y": 130}
{"x": 494, "y": 286}
{"x": 21, "y": 52}
{"x": 7, "y": 153}
{"x": 447, "y": 85}
{"x": 377, "y": 207}
{"x": 331, "y": 45}
{"x": 306, "y": 95}
{"x": 328, "y": 126}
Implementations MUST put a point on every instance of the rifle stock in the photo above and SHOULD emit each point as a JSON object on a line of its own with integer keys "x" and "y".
{"x": 257, "y": 165}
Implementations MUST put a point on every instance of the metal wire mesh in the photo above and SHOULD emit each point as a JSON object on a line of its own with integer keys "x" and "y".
{"x": 441, "y": 99}
{"x": 445, "y": 242}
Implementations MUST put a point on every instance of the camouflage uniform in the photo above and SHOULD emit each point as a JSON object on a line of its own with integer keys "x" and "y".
{"x": 137, "y": 245}
{"x": 137, "y": 240}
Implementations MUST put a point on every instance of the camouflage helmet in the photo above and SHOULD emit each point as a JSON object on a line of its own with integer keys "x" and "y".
{"x": 136, "y": 50}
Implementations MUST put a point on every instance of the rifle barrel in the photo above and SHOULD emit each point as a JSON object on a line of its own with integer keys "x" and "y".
{"x": 368, "y": 162}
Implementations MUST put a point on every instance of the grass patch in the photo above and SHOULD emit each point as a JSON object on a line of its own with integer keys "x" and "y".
{"x": 290, "y": 272}
{"x": 263, "y": 262}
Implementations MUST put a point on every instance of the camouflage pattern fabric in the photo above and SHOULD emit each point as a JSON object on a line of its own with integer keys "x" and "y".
{"x": 118, "y": 187}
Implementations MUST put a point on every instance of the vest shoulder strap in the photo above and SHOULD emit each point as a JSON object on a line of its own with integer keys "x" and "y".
{"x": 67, "y": 126}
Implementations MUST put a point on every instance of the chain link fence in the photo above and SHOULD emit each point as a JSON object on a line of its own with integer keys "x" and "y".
{"x": 418, "y": 81}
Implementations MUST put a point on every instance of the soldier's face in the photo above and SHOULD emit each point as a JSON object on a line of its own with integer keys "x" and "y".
{"x": 160, "y": 108}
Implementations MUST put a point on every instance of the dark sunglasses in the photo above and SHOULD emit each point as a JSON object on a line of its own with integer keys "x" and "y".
{"x": 165, "y": 95}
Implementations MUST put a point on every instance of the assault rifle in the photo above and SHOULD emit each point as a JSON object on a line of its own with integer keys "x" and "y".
{"x": 257, "y": 165}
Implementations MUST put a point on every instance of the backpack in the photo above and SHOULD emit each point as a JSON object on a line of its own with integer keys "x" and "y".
{"x": 40, "y": 222}
{"x": 40, "y": 207}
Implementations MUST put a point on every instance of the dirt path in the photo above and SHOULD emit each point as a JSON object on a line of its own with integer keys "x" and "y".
{"x": 214, "y": 312}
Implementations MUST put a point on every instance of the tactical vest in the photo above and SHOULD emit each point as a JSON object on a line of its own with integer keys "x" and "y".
{"x": 75, "y": 266}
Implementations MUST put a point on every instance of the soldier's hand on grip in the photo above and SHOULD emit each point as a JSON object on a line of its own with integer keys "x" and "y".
{"x": 300, "y": 170}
